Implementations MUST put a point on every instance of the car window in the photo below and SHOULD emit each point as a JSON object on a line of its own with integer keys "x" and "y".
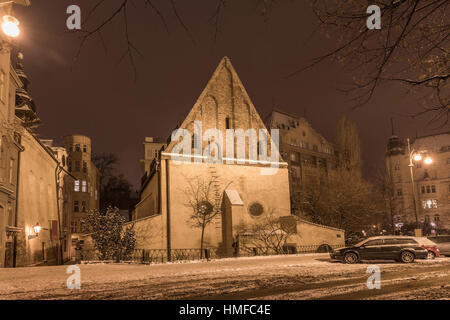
{"x": 406, "y": 241}
{"x": 391, "y": 241}
{"x": 376, "y": 242}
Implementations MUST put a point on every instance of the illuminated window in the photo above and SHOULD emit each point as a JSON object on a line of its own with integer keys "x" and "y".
{"x": 83, "y": 186}
{"x": 429, "y": 204}
{"x": 76, "y": 186}
{"x": 73, "y": 227}
{"x": 11, "y": 171}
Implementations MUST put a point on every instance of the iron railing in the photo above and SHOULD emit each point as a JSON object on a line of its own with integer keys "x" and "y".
{"x": 161, "y": 255}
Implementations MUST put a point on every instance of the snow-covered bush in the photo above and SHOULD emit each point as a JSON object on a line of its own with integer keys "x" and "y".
{"x": 111, "y": 239}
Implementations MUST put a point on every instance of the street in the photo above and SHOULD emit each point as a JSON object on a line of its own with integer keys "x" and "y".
{"x": 307, "y": 276}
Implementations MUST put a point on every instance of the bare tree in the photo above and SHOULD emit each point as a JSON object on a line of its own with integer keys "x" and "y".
{"x": 205, "y": 199}
{"x": 267, "y": 235}
{"x": 412, "y": 47}
{"x": 348, "y": 145}
{"x": 344, "y": 201}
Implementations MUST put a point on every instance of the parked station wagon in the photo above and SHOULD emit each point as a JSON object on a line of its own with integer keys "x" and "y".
{"x": 400, "y": 248}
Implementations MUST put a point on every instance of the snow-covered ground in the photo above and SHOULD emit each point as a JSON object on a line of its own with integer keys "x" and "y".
{"x": 274, "y": 277}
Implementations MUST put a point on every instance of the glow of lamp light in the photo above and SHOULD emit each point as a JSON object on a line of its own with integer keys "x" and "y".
{"x": 10, "y": 26}
{"x": 417, "y": 157}
{"x": 37, "y": 229}
{"x": 428, "y": 160}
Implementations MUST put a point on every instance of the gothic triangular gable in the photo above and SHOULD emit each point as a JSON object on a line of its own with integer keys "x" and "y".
{"x": 223, "y": 103}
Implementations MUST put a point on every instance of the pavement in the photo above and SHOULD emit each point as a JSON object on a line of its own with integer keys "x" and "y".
{"x": 298, "y": 277}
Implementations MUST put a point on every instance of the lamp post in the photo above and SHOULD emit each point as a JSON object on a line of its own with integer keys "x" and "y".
{"x": 415, "y": 156}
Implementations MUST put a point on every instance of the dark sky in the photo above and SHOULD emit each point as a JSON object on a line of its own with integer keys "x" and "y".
{"x": 98, "y": 96}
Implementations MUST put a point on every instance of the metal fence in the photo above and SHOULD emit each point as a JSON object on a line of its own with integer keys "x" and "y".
{"x": 161, "y": 255}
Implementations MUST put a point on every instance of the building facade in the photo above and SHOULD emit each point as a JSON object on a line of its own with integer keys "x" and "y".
{"x": 431, "y": 182}
{"x": 10, "y": 145}
{"x": 247, "y": 190}
{"x": 83, "y": 192}
{"x": 309, "y": 155}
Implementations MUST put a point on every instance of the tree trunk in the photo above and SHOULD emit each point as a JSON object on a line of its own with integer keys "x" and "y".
{"x": 201, "y": 240}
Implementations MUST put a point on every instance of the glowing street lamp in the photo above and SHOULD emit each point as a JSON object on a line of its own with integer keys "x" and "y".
{"x": 416, "y": 156}
{"x": 37, "y": 229}
{"x": 428, "y": 160}
{"x": 10, "y": 26}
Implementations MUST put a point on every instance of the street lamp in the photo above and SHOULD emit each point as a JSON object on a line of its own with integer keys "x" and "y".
{"x": 416, "y": 156}
{"x": 10, "y": 26}
{"x": 37, "y": 229}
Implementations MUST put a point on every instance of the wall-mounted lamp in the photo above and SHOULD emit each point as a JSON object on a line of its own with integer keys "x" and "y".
{"x": 37, "y": 229}
{"x": 10, "y": 26}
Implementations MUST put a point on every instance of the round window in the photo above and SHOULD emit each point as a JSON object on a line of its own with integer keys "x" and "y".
{"x": 256, "y": 209}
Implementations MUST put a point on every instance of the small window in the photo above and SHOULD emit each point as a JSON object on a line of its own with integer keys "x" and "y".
{"x": 76, "y": 206}
{"x": 76, "y": 186}
{"x": 399, "y": 192}
{"x": 84, "y": 166}
{"x": 73, "y": 227}
{"x": 69, "y": 163}
{"x": 428, "y": 189}
{"x": 256, "y": 209}
{"x": 83, "y": 186}
{"x": 84, "y": 148}
{"x": 77, "y": 147}
{"x": 228, "y": 123}
{"x": 422, "y": 189}
{"x": 83, "y": 206}
{"x": 11, "y": 171}
{"x": 77, "y": 166}
{"x": 433, "y": 188}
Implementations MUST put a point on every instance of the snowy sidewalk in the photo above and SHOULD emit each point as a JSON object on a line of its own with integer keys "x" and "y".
{"x": 192, "y": 279}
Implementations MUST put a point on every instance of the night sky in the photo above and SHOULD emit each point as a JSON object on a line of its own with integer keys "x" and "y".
{"x": 99, "y": 97}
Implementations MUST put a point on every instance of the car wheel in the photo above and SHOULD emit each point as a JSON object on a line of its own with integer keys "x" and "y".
{"x": 431, "y": 255}
{"x": 350, "y": 257}
{"x": 407, "y": 257}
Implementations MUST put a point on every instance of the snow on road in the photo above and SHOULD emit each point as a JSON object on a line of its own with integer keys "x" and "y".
{"x": 273, "y": 277}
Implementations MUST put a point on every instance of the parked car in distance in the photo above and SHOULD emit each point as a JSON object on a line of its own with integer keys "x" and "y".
{"x": 400, "y": 248}
{"x": 432, "y": 248}
{"x": 443, "y": 244}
